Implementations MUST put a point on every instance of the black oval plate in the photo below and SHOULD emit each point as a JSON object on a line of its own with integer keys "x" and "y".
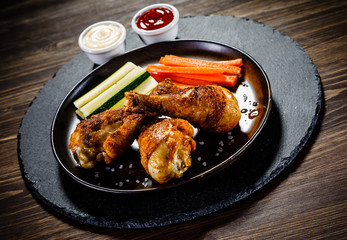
{"x": 213, "y": 152}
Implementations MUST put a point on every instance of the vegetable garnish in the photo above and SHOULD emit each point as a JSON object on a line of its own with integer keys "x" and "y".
{"x": 189, "y": 71}
{"x": 197, "y": 79}
{"x": 172, "y": 60}
{"x": 192, "y": 70}
{"x": 109, "y": 94}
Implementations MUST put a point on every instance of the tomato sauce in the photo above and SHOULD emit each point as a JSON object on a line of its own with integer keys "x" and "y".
{"x": 154, "y": 19}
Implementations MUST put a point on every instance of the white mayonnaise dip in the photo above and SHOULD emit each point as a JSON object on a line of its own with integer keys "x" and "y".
{"x": 101, "y": 36}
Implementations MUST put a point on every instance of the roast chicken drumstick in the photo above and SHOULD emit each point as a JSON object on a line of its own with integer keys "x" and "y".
{"x": 86, "y": 142}
{"x": 211, "y": 108}
{"x": 165, "y": 149}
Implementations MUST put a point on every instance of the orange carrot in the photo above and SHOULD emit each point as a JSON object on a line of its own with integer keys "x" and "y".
{"x": 161, "y": 77}
{"x": 190, "y": 70}
{"x": 220, "y": 79}
{"x": 175, "y": 60}
{"x": 191, "y": 79}
{"x": 229, "y": 66}
{"x": 182, "y": 85}
{"x": 234, "y": 62}
{"x": 205, "y": 77}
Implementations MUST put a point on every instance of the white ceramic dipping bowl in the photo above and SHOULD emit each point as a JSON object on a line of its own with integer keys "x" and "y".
{"x": 166, "y": 33}
{"x": 104, "y": 54}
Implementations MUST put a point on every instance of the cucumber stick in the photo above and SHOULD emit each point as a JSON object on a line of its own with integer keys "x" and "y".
{"x": 80, "y": 114}
{"x": 115, "y": 93}
{"x": 111, "y": 80}
{"x": 147, "y": 86}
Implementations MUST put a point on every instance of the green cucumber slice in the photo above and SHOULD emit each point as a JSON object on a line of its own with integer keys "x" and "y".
{"x": 147, "y": 86}
{"x": 116, "y": 92}
{"x": 80, "y": 114}
{"x": 111, "y": 80}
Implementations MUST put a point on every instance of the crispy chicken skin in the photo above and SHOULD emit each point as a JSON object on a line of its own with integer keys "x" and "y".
{"x": 165, "y": 148}
{"x": 107, "y": 135}
{"x": 86, "y": 142}
{"x": 165, "y": 87}
{"x": 211, "y": 108}
{"x": 118, "y": 141}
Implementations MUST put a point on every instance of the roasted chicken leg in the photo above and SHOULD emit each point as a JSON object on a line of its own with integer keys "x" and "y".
{"x": 86, "y": 142}
{"x": 211, "y": 108}
{"x": 165, "y": 149}
{"x": 105, "y": 136}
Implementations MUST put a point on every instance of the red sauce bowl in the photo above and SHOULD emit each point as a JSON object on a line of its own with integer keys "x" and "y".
{"x": 156, "y": 23}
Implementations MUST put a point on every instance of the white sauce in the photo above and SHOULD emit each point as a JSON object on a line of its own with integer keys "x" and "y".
{"x": 102, "y": 36}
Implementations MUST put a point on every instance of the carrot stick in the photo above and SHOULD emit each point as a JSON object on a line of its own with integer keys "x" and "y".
{"x": 191, "y": 70}
{"x": 182, "y": 85}
{"x": 206, "y": 77}
{"x": 234, "y": 62}
{"x": 191, "y": 79}
{"x": 228, "y": 66}
{"x": 220, "y": 79}
{"x": 174, "y": 60}
{"x": 161, "y": 77}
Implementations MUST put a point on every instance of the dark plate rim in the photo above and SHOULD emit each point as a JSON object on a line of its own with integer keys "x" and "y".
{"x": 203, "y": 175}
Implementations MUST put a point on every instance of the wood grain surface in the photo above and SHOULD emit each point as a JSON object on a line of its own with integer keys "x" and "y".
{"x": 306, "y": 201}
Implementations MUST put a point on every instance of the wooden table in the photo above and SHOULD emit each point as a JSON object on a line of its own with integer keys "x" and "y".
{"x": 306, "y": 201}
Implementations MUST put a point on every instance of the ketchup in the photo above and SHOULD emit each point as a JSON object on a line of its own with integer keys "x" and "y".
{"x": 154, "y": 19}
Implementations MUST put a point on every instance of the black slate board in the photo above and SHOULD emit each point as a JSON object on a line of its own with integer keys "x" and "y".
{"x": 296, "y": 90}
